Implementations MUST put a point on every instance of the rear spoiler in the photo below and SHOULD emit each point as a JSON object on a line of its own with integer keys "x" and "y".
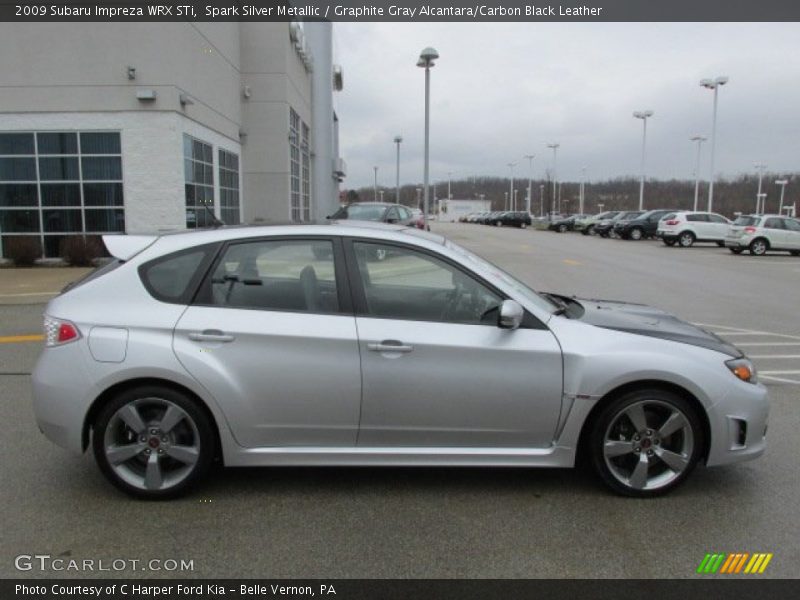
{"x": 124, "y": 247}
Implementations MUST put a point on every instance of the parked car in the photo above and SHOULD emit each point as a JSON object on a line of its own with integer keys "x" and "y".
{"x": 687, "y": 227}
{"x": 564, "y": 224}
{"x": 513, "y": 219}
{"x": 240, "y": 345}
{"x": 385, "y": 212}
{"x": 763, "y": 233}
{"x": 586, "y": 224}
{"x": 605, "y": 227}
{"x": 642, "y": 227}
{"x": 418, "y": 219}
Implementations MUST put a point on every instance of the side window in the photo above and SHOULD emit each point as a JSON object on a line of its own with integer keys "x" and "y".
{"x": 791, "y": 225}
{"x": 401, "y": 283}
{"x": 405, "y": 214}
{"x": 774, "y": 223}
{"x": 169, "y": 278}
{"x": 697, "y": 218}
{"x": 714, "y": 218}
{"x": 290, "y": 275}
{"x": 393, "y": 215}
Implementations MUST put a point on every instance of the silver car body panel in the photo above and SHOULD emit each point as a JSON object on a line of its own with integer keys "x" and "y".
{"x": 432, "y": 417}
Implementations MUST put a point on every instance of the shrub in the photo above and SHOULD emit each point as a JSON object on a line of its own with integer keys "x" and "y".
{"x": 80, "y": 251}
{"x": 22, "y": 249}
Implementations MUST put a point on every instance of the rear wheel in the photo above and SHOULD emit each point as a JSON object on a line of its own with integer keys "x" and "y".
{"x": 646, "y": 442}
{"x": 794, "y": 252}
{"x": 759, "y": 247}
{"x": 721, "y": 244}
{"x": 735, "y": 250}
{"x": 668, "y": 242}
{"x": 636, "y": 234}
{"x": 686, "y": 239}
{"x": 562, "y": 229}
{"x": 523, "y": 225}
{"x": 499, "y": 223}
{"x": 589, "y": 230}
{"x": 153, "y": 442}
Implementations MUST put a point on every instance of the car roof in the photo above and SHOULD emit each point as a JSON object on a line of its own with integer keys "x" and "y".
{"x": 125, "y": 246}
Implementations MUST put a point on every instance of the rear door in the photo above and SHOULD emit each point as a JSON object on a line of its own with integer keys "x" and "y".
{"x": 792, "y": 233}
{"x": 436, "y": 369}
{"x": 272, "y": 337}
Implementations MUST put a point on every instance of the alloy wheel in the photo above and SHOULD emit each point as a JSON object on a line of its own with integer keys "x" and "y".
{"x": 648, "y": 445}
{"x": 151, "y": 444}
{"x": 686, "y": 240}
{"x": 758, "y": 247}
{"x": 636, "y": 233}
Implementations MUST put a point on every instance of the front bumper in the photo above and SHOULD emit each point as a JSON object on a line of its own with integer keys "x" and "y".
{"x": 738, "y": 424}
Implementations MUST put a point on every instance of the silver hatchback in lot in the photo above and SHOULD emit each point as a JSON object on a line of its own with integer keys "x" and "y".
{"x": 290, "y": 346}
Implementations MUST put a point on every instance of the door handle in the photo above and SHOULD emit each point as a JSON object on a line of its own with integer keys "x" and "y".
{"x": 389, "y": 346}
{"x": 210, "y": 335}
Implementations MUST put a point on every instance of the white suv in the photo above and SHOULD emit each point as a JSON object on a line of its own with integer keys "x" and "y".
{"x": 760, "y": 233}
{"x": 688, "y": 227}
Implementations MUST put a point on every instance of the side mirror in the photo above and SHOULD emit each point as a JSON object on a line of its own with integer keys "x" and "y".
{"x": 510, "y": 316}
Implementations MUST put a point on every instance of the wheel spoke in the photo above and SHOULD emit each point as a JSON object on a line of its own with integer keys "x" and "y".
{"x": 614, "y": 448}
{"x": 636, "y": 414}
{"x": 674, "y": 422}
{"x": 638, "y": 478}
{"x": 152, "y": 476}
{"x": 184, "y": 454}
{"x": 130, "y": 414}
{"x": 676, "y": 462}
{"x": 119, "y": 454}
{"x": 172, "y": 417}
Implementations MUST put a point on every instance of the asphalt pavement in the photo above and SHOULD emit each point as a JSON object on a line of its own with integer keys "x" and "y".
{"x": 481, "y": 523}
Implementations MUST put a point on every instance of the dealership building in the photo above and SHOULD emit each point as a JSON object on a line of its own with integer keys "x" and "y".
{"x": 148, "y": 127}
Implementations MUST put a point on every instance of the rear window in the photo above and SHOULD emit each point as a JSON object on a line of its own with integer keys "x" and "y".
{"x": 669, "y": 217}
{"x": 174, "y": 278}
{"x": 747, "y": 221}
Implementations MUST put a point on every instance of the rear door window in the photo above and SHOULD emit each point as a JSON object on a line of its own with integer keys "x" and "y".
{"x": 697, "y": 218}
{"x": 774, "y": 223}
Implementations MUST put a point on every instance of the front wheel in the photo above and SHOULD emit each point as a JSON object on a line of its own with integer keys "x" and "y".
{"x": 646, "y": 442}
{"x": 523, "y": 225}
{"x": 562, "y": 229}
{"x": 636, "y": 234}
{"x": 153, "y": 442}
{"x": 499, "y": 223}
{"x": 589, "y": 230}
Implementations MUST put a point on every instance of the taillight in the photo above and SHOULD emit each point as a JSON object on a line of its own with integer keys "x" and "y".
{"x": 58, "y": 332}
{"x": 749, "y": 229}
{"x": 672, "y": 222}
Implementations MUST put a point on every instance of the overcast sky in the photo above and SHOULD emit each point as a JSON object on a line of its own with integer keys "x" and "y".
{"x": 500, "y": 91}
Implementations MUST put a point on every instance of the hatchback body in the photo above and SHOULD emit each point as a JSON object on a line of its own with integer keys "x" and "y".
{"x": 762, "y": 233}
{"x": 292, "y": 346}
{"x": 687, "y": 227}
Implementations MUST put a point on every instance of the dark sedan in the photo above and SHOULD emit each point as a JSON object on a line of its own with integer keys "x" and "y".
{"x": 565, "y": 224}
{"x": 643, "y": 226}
{"x": 605, "y": 227}
{"x": 512, "y": 218}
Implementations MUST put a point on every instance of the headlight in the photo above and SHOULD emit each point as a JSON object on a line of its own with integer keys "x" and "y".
{"x": 743, "y": 369}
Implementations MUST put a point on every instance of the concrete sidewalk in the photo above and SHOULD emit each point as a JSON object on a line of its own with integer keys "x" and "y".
{"x": 36, "y": 284}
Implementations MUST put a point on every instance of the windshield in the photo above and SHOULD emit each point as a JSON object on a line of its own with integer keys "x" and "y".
{"x": 365, "y": 212}
{"x": 529, "y": 294}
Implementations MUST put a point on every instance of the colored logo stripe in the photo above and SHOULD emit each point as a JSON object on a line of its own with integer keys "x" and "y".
{"x": 734, "y": 562}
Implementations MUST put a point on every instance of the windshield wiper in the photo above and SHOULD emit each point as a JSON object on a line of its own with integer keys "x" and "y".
{"x": 561, "y": 306}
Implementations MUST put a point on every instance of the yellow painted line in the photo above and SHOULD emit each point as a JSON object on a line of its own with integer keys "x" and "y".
{"x": 15, "y": 339}
{"x": 767, "y": 558}
{"x": 569, "y": 261}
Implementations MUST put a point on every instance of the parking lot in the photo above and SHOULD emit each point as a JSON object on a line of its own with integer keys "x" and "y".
{"x": 431, "y": 523}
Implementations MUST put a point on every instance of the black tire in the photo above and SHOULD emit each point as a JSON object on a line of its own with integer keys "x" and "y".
{"x": 794, "y": 252}
{"x": 759, "y": 247}
{"x": 668, "y": 242}
{"x": 562, "y": 229}
{"x": 523, "y": 225}
{"x": 636, "y": 234}
{"x": 686, "y": 239}
{"x": 735, "y": 250}
{"x": 589, "y": 230}
{"x": 202, "y": 430}
{"x": 662, "y": 401}
{"x": 499, "y": 223}
{"x": 721, "y": 244}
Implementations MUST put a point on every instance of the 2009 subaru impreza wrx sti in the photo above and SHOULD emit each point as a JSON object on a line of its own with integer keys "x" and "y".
{"x": 297, "y": 346}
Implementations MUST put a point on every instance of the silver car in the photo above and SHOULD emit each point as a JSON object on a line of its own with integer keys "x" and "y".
{"x": 290, "y": 346}
{"x": 764, "y": 233}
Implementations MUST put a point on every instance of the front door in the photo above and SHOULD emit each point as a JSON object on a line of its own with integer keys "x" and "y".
{"x": 436, "y": 369}
{"x": 270, "y": 339}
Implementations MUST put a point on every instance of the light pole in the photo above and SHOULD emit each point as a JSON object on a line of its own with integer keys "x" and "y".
{"x": 505, "y": 201}
{"x": 419, "y": 194}
{"x": 713, "y": 84}
{"x": 426, "y": 58}
{"x": 375, "y": 190}
{"x": 699, "y": 139}
{"x": 761, "y": 200}
{"x": 760, "y": 167}
{"x": 530, "y": 158}
{"x": 782, "y": 183}
{"x": 511, "y": 187}
{"x": 449, "y": 181}
{"x": 583, "y": 189}
{"x": 381, "y": 193}
{"x": 554, "y": 146}
{"x": 514, "y": 204}
{"x": 643, "y": 115}
{"x": 541, "y": 197}
{"x": 397, "y": 140}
